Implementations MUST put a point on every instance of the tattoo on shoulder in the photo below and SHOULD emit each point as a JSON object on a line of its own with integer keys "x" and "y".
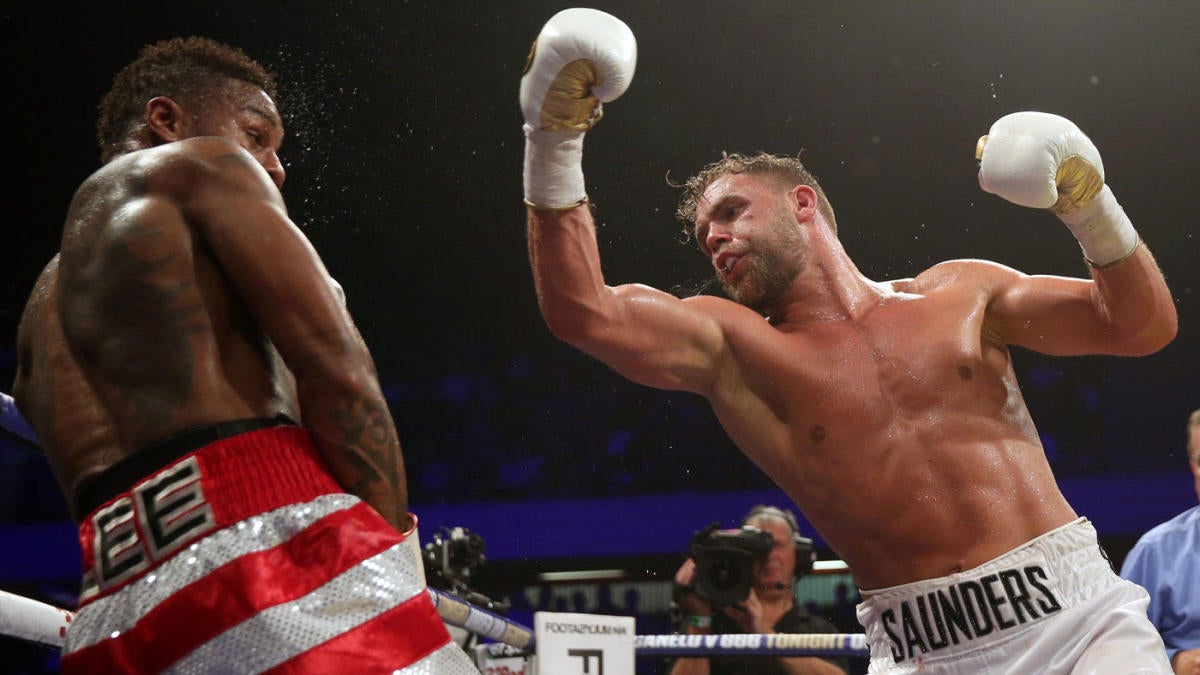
{"x": 137, "y": 327}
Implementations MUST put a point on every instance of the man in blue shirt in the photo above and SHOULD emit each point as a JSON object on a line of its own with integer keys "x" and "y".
{"x": 1166, "y": 560}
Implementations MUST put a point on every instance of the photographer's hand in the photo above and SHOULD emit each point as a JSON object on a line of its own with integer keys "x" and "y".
{"x": 697, "y": 619}
{"x": 687, "y": 599}
{"x": 749, "y": 615}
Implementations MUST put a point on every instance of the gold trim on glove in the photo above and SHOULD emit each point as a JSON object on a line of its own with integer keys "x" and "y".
{"x": 1078, "y": 182}
{"x": 568, "y": 207}
{"x": 569, "y": 104}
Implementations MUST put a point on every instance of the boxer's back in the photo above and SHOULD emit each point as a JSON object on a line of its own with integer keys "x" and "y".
{"x": 134, "y": 333}
{"x": 76, "y": 432}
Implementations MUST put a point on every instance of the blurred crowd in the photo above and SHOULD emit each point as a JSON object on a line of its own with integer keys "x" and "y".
{"x": 483, "y": 423}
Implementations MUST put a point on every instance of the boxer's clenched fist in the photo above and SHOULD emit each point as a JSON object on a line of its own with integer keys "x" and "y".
{"x": 581, "y": 59}
{"x": 1040, "y": 160}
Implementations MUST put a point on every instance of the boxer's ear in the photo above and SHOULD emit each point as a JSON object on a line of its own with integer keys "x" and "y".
{"x": 803, "y": 201}
{"x": 166, "y": 120}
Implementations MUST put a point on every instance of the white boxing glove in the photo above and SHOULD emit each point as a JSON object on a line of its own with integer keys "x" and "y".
{"x": 1044, "y": 161}
{"x": 581, "y": 59}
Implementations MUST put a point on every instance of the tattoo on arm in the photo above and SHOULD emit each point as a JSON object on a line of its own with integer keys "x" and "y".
{"x": 371, "y": 448}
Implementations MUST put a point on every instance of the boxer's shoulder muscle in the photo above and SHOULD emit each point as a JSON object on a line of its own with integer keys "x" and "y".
{"x": 723, "y": 311}
{"x": 968, "y": 272}
{"x": 182, "y": 171}
{"x": 735, "y": 324}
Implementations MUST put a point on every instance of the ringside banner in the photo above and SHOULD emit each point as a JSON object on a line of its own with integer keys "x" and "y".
{"x": 584, "y": 644}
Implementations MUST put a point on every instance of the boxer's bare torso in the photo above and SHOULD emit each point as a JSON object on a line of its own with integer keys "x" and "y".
{"x": 181, "y": 289}
{"x": 889, "y": 412}
{"x": 900, "y": 432}
{"x": 155, "y": 339}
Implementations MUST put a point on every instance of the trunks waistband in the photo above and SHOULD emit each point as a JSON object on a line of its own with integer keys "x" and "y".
{"x": 962, "y": 612}
{"x": 119, "y": 477}
{"x": 215, "y": 486}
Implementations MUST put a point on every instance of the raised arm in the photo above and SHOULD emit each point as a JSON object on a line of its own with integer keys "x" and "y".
{"x": 649, "y": 336}
{"x": 581, "y": 58}
{"x": 1044, "y": 161}
{"x": 277, "y": 273}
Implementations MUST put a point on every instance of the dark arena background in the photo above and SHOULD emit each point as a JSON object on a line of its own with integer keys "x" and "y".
{"x": 404, "y": 156}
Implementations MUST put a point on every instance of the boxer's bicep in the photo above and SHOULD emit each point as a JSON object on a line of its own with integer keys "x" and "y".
{"x": 1049, "y": 314}
{"x": 658, "y": 340}
{"x": 649, "y": 336}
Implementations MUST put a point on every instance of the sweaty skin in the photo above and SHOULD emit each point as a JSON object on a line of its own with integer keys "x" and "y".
{"x": 75, "y": 431}
{"x": 888, "y": 412}
{"x": 183, "y": 295}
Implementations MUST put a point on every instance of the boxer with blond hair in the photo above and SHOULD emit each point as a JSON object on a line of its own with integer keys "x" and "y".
{"x": 888, "y": 411}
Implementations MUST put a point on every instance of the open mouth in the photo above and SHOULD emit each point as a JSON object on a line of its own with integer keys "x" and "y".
{"x": 726, "y": 263}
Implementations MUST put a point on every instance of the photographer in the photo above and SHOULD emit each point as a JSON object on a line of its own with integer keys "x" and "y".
{"x": 770, "y": 607}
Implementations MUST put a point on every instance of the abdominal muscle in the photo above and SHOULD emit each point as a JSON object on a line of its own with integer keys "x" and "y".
{"x": 921, "y": 501}
{"x": 905, "y": 477}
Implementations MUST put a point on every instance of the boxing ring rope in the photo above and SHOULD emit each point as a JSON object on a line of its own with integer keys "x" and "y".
{"x": 772, "y": 644}
{"x": 32, "y": 620}
{"x": 35, "y": 621}
{"x": 462, "y": 614}
{"x": 13, "y": 423}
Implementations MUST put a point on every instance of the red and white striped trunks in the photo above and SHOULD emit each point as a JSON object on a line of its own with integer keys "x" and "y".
{"x": 245, "y": 556}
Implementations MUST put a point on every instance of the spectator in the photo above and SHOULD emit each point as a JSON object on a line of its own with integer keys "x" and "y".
{"x": 1164, "y": 561}
{"x": 770, "y": 608}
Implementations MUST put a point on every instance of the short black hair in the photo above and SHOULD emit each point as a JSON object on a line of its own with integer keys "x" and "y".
{"x": 180, "y": 68}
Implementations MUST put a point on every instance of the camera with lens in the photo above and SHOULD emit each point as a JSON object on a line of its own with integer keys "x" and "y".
{"x": 450, "y": 557}
{"x": 725, "y": 562}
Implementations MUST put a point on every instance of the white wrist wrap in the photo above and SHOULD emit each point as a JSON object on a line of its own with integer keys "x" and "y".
{"x": 412, "y": 539}
{"x": 1103, "y": 230}
{"x": 553, "y": 168}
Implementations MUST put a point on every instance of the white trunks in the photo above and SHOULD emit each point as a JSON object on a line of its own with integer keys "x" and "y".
{"x": 1052, "y": 605}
